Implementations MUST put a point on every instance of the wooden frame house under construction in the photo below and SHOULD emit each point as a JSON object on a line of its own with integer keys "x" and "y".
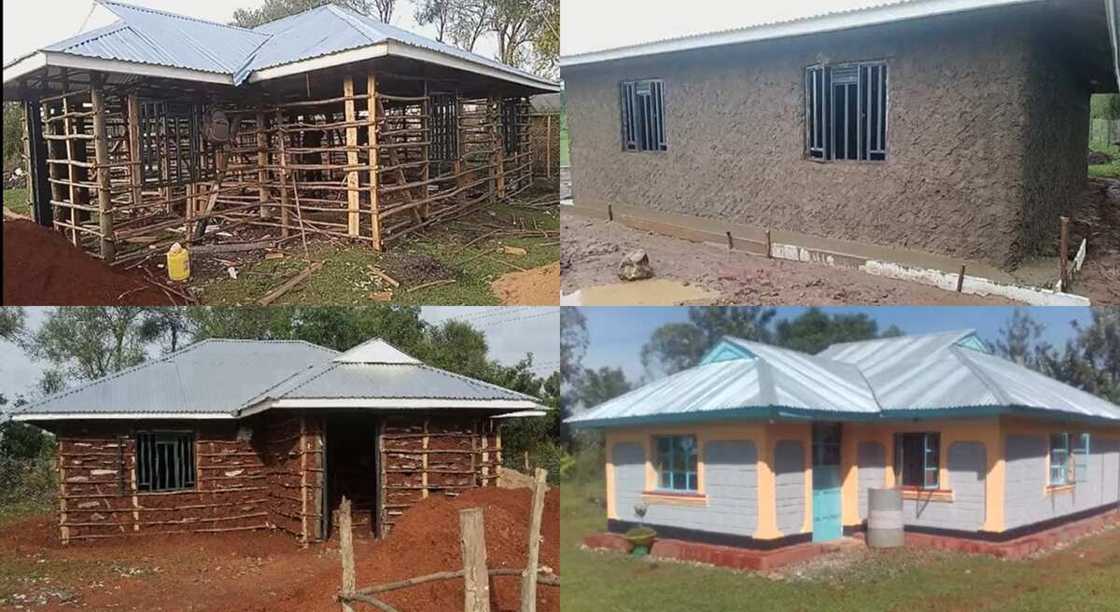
{"x": 194, "y": 443}
{"x": 144, "y": 131}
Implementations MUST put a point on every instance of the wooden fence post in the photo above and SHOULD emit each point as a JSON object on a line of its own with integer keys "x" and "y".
{"x": 476, "y": 579}
{"x": 529, "y": 578}
{"x": 346, "y": 550}
{"x": 1063, "y": 254}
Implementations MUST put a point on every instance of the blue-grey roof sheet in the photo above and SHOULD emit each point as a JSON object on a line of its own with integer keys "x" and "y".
{"x": 213, "y": 377}
{"x": 150, "y": 36}
{"x": 942, "y": 374}
{"x": 335, "y": 380}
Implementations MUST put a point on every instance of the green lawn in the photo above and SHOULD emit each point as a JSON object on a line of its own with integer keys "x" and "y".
{"x": 1084, "y": 577}
{"x": 1111, "y": 170}
{"x": 443, "y": 251}
{"x": 15, "y": 200}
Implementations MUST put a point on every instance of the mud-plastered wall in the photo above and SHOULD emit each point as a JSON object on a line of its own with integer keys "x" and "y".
{"x": 954, "y": 179}
{"x": 291, "y": 446}
{"x": 99, "y": 496}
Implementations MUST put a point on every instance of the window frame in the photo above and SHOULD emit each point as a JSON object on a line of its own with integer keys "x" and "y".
{"x": 626, "y": 121}
{"x": 185, "y": 443}
{"x": 931, "y": 447}
{"x": 690, "y": 473}
{"x": 1081, "y": 467}
{"x": 821, "y": 122}
{"x": 1059, "y": 469}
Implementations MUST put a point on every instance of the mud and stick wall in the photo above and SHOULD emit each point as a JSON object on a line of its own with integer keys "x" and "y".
{"x": 99, "y": 497}
{"x": 544, "y": 134}
{"x": 291, "y": 447}
{"x": 424, "y": 455}
{"x": 963, "y": 176}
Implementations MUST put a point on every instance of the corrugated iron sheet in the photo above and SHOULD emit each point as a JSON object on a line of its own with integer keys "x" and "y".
{"x": 209, "y": 377}
{"x": 942, "y": 374}
{"x": 341, "y": 380}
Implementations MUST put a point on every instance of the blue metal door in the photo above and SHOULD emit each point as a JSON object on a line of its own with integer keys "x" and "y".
{"x": 827, "y": 504}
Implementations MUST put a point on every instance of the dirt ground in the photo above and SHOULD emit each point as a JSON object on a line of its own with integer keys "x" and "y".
{"x": 267, "y": 570}
{"x": 592, "y": 250}
{"x": 42, "y": 268}
{"x": 535, "y": 287}
{"x": 1099, "y": 223}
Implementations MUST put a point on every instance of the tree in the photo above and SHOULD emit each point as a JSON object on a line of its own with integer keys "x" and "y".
{"x": 515, "y": 23}
{"x": 814, "y": 330}
{"x": 439, "y": 13}
{"x": 470, "y": 20}
{"x": 170, "y": 326}
{"x": 546, "y": 41}
{"x": 271, "y": 10}
{"x": 90, "y": 342}
{"x": 458, "y": 347}
{"x": 678, "y": 346}
{"x": 598, "y": 386}
{"x": 1018, "y": 339}
{"x": 12, "y": 323}
{"x": 13, "y": 135}
{"x": 384, "y": 10}
{"x": 573, "y": 343}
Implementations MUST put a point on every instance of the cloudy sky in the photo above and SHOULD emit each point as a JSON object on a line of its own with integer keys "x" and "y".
{"x": 55, "y": 20}
{"x": 511, "y": 333}
{"x": 594, "y": 25}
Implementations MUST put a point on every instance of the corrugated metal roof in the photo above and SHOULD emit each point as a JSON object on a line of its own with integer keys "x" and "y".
{"x": 209, "y": 377}
{"x": 871, "y": 14}
{"x": 340, "y": 380}
{"x": 942, "y": 374}
{"x": 153, "y": 37}
{"x": 375, "y": 351}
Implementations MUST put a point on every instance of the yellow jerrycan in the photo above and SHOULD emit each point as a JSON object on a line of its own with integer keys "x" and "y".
{"x": 178, "y": 263}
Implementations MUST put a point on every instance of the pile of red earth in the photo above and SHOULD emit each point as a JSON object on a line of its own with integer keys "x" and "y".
{"x": 426, "y": 541}
{"x": 42, "y": 268}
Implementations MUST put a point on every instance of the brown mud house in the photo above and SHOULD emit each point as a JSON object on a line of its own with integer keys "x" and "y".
{"x": 144, "y": 130}
{"x": 923, "y": 132}
{"x": 234, "y": 435}
{"x": 760, "y": 447}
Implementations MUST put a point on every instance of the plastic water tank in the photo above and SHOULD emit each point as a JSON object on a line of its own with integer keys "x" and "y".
{"x": 884, "y": 518}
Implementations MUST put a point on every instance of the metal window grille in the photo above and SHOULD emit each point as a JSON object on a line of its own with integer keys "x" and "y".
{"x": 677, "y": 463}
{"x": 510, "y": 125}
{"x": 918, "y": 459}
{"x": 846, "y": 112}
{"x": 165, "y": 461}
{"x": 445, "y": 127}
{"x": 643, "y": 115}
{"x": 171, "y": 147}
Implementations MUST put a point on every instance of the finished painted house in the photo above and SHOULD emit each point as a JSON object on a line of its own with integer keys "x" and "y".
{"x": 920, "y": 132}
{"x": 229, "y": 435}
{"x": 762, "y": 447}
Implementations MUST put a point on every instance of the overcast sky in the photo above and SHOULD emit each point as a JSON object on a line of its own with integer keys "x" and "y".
{"x": 594, "y": 25}
{"x": 30, "y": 25}
{"x": 511, "y": 333}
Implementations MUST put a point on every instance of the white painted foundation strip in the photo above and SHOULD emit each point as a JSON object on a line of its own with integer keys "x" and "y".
{"x": 973, "y": 285}
{"x": 81, "y": 416}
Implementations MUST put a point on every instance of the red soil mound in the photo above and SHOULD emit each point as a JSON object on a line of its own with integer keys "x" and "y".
{"x": 42, "y": 268}
{"x": 426, "y": 540}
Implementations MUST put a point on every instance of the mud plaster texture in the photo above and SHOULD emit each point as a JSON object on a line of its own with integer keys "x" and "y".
{"x": 964, "y": 175}
{"x": 593, "y": 248}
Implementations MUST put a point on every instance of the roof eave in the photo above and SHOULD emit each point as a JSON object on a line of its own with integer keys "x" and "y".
{"x": 397, "y": 49}
{"x": 372, "y": 403}
{"x": 43, "y": 59}
{"x": 101, "y": 416}
{"x": 813, "y": 25}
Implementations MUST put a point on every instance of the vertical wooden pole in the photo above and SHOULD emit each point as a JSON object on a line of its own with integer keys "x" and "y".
{"x": 548, "y": 146}
{"x": 529, "y": 578}
{"x": 485, "y": 455}
{"x": 303, "y": 479}
{"x": 424, "y": 462}
{"x": 25, "y": 140}
{"x": 135, "y": 163}
{"x": 71, "y": 177}
{"x": 65, "y": 531}
{"x": 1063, "y": 255}
{"x": 374, "y": 162}
{"x": 346, "y": 549}
{"x": 262, "y": 166}
{"x": 282, "y": 137}
{"x": 381, "y": 456}
{"x": 499, "y": 149}
{"x": 101, "y": 152}
{"x": 476, "y": 579}
{"x": 426, "y": 136}
{"x": 53, "y": 128}
{"x": 352, "y": 202}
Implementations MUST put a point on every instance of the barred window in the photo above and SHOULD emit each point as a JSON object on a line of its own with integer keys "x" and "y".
{"x": 445, "y": 127}
{"x": 643, "y": 115}
{"x": 846, "y": 112}
{"x": 165, "y": 461}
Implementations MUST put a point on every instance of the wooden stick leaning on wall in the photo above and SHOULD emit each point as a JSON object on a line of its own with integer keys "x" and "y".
{"x": 101, "y": 151}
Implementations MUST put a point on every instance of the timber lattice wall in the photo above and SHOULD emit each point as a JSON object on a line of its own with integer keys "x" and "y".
{"x": 130, "y": 173}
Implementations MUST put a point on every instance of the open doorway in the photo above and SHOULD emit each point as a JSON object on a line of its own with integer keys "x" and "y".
{"x": 351, "y": 470}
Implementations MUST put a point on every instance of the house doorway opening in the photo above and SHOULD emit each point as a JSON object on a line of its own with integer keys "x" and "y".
{"x": 827, "y": 505}
{"x": 351, "y": 471}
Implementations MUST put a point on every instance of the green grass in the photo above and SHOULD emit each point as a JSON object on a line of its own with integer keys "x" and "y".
{"x": 15, "y": 200}
{"x": 1110, "y": 170}
{"x": 1084, "y": 577}
{"x": 345, "y": 279}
